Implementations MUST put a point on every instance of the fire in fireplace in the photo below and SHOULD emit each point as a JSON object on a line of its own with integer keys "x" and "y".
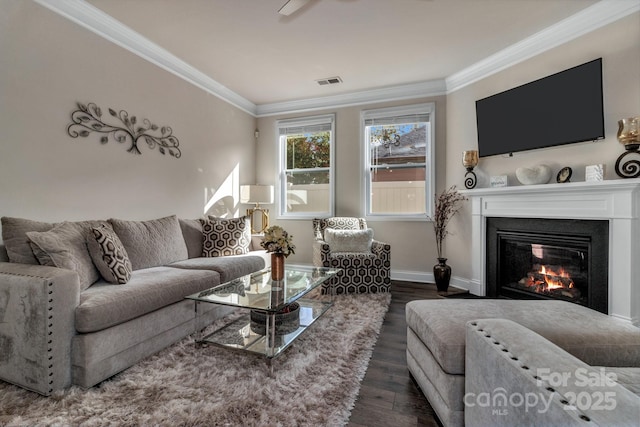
{"x": 548, "y": 259}
{"x": 545, "y": 269}
{"x": 544, "y": 280}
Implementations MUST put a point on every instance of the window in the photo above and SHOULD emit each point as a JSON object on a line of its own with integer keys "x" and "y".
{"x": 398, "y": 151}
{"x": 306, "y": 167}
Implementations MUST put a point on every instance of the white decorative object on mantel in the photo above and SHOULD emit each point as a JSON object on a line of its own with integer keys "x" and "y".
{"x": 617, "y": 201}
{"x": 594, "y": 173}
{"x": 541, "y": 174}
{"x": 498, "y": 181}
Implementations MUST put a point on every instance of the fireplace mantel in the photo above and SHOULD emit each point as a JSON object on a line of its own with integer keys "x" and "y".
{"x": 617, "y": 201}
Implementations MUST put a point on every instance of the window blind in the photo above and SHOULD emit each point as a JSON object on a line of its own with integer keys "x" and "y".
{"x": 306, "y": 125}
{"x": 397, "y": 120}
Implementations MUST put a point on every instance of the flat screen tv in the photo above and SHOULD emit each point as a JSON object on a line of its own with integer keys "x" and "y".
{"x": 562, "y": 108}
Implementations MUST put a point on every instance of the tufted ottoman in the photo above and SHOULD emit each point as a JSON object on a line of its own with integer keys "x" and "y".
{"x": 436, "y": 341}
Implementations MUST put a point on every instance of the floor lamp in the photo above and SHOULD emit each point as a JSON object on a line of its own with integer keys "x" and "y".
{"x": 257, "y": 194}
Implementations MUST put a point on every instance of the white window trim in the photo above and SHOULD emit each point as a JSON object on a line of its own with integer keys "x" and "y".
{"x": 281, "y": 178}
{"x": 428, "y": 107}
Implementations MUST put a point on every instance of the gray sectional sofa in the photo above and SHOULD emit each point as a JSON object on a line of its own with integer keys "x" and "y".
{"x": 63, "y": 326}
{"x": 452, "y": 370}
{"x": 515, "y": 377}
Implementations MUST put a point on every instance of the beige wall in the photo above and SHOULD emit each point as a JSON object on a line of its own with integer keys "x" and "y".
{"x": 413, "y": 253}
{"x": 619, "y": 46}
{"x": 411, "y": 250}
{"x": 47, "y": 64}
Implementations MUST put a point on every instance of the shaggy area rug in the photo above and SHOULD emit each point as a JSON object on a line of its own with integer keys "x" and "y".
{"x": 315, "y": 381}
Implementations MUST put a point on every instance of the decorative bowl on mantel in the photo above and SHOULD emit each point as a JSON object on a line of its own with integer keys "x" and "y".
{"x": 541, "y": 174}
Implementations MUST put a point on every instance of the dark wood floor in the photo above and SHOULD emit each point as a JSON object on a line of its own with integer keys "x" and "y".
{"x": 388, "y": 394}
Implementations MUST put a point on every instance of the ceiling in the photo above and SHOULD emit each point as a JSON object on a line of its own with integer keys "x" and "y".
{"x": 265, "y": 57}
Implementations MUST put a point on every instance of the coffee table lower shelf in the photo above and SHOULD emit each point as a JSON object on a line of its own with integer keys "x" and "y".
{"x": 238, "y": 334}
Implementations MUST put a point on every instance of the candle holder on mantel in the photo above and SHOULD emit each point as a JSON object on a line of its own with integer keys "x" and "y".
{"x": 629, "y": 135}
{"x": 470, "y": 161}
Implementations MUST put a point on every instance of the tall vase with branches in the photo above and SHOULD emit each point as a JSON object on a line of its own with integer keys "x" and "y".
{"x": 447, "y": 204}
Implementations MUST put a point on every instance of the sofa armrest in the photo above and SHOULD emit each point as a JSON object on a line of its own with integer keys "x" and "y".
{"x": 37, "y": 305}
{"x": 514, "y": 376}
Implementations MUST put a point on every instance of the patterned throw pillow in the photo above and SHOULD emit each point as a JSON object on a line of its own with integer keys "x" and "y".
{"x": 109, "y": 255}
{"x": 224, "y": 237}
{"x": 349, "y": 240}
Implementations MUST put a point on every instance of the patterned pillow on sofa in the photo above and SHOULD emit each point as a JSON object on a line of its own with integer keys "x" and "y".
{"x": 109, "y": 255}
{"x": 224, "y": 237}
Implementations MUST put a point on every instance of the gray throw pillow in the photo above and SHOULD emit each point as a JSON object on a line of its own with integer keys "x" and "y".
{"x": 14, "y": 235}
{"x": 65, "y": 246}
{"x": 349, "y": 240}
{"x": 151, "y": 243}
{"x": 192, "y": 233}
{"x": 224, "y": 237}
{"x": 109, "y": 255}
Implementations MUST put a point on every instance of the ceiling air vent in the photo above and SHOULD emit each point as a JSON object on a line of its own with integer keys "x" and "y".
{"x": 329, "y": 81}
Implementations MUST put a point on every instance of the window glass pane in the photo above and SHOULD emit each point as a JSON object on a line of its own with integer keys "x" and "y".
{"x": 398, "y": 198}
{"x": 307, "y": 191}
{"x": 398, "y": 165}
{"x": 310, "y": 150}
{"x": 306, "y": 185}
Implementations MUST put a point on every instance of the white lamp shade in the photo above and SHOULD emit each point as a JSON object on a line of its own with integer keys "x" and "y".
{"x": 256, "y": 194}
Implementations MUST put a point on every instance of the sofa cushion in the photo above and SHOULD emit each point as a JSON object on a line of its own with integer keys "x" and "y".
{"x": 108, "y": 254}
{"x": 151, "y": 243}
{"x": 628, "y": 377}
{"x": 17, "y": 244}
{"x": 65, "y": 246}
{"x": 593, "y": 337}
{"x": 358, "y": 241}
{"x": 229, "y": 267}
{"x": 104, "y": 305}
{"x": 193, "y": 238}
{"x": 224, "y": 237}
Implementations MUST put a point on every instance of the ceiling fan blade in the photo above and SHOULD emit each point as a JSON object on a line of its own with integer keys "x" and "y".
{"x": 292, "y": 6}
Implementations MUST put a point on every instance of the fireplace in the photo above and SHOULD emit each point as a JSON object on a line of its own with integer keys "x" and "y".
{"x": 537, "y": 258}
{"x": 616, "y": 201}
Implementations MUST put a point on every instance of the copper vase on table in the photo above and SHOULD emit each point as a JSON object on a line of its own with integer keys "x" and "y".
{"x": 277, "y": 266}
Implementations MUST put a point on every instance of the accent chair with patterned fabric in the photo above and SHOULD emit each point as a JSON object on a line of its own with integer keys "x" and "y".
{"x": 347, "y": 243}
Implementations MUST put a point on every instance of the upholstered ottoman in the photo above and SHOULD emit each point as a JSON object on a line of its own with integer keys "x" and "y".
{"x": 436, "y": 341}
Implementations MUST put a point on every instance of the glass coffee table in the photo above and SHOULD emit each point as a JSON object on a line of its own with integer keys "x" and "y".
{"x": 277, "y": 312}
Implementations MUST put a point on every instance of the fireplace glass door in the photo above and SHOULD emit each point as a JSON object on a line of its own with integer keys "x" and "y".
{"x": 539, "y": 266}
{"x": 542, "y": 258}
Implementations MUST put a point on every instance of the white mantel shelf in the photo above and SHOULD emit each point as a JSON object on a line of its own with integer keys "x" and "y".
{"x": 617, "y": 201}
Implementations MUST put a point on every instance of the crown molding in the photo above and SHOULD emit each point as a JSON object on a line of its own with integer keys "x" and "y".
{"x": 98, "y": 22}
{"x": 598, "y": 15}
{"x": 392, "y": 93}
{"x": 587, "y": 20}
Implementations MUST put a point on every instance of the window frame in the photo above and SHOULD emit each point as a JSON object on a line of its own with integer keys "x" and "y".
{"x": 281, "y": 192}
{"x": 428, "y": 108}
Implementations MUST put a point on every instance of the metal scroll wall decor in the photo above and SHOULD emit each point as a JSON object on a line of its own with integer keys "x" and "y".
{"x": 88, "y": 118}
